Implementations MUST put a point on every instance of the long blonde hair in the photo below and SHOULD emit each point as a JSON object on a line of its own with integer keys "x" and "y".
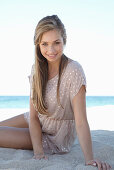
{"x": 40, "y": 77}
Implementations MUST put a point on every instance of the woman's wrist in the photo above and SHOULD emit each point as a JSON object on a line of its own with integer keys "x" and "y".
{"x": 89, "y": 157}
{"x": 39, "y": 152}
{"x": 91, "y": 162}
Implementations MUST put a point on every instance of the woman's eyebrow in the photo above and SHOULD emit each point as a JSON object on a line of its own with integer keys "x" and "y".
{"x": 53, "y": 41}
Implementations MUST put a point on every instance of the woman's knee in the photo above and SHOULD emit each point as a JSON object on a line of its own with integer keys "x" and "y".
{"x": 17, "y": 121}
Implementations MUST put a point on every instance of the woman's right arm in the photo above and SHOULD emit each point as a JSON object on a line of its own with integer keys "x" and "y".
{"x": 35, "y": 133}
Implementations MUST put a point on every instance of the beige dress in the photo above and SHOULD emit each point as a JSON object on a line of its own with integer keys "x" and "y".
{"x": 58, "y": 129}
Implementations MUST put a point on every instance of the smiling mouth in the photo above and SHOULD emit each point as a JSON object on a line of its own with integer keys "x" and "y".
{"x": 51, "y": 56}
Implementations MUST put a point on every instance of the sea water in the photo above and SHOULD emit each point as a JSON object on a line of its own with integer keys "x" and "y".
{"x": 23, "y": 101}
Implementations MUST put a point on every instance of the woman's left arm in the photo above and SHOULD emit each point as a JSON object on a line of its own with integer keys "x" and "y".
{"x": 83, "y": 130}
{"x": 82, "y": 127}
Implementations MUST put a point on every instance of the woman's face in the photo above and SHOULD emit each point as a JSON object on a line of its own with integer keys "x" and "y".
{"x": 51, "y": 45}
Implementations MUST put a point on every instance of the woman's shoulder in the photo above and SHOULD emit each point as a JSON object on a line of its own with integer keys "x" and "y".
{"x": 74, "y": 65}
{"x": 75, "y": 70}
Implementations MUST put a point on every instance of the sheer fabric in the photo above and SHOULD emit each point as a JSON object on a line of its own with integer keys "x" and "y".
{"x": 58, "y": 128}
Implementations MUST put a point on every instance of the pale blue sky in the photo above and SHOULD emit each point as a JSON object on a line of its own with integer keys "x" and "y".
{"x": 90, "y": 31}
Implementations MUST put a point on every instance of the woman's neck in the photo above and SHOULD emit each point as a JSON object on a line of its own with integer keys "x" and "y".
{"x": 53, "y": 67}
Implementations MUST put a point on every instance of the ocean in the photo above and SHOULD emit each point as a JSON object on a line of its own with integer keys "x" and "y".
{"x": 22, "y": 102}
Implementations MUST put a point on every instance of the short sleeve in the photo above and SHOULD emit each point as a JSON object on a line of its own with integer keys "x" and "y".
{"x": 31, "y": 81}
{"x": 78, "y": 79}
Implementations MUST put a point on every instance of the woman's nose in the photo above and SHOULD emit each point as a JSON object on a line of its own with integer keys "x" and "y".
{"x": 51, "y": 49}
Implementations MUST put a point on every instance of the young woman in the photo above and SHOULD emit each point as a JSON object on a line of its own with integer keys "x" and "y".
{"x": 57, "y": 101}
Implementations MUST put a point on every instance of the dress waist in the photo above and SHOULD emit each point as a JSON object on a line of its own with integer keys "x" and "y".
{"x": 54, "y": 119}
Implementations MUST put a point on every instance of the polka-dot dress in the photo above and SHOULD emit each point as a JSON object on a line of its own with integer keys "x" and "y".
{"x": 58, "y": 128}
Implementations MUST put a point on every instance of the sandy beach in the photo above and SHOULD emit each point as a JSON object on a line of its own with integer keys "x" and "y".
{"x": 102, "y": 130}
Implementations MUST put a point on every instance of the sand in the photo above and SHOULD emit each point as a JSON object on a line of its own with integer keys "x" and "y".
{"x": 102, "y": 132}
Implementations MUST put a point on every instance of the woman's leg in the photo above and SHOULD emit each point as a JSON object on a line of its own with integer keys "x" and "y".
{"x": 14, "y": 133}
{"x": 17, "y": 138}
{"x": 17, "y": 121}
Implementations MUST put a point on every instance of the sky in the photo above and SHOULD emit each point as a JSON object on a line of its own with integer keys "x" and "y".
{"x": 90, "y": 41}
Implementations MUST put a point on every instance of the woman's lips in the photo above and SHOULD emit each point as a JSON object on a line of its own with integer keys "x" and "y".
{"x": 51, "y": 56}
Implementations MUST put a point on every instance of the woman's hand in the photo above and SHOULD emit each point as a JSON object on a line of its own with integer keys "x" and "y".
{"x": 40, "y": 156}
{"x": 99, "y": 164}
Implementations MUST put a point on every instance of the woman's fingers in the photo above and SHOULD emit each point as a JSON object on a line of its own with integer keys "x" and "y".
{"x": 108, "y": 166}
{"x": 40, "y": 157}
{"x": 99, "y": 164}
{"x": 103, "y": 166}
{"x": 46, "y": 158}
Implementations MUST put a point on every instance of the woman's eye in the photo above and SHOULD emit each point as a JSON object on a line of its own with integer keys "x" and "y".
{"x": 44, "y": 44}
{"x": 57, "y": 42}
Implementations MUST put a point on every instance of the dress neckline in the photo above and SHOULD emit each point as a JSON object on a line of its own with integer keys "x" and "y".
{"x": 69, "y": 61}
{"x": 53, "y": 78}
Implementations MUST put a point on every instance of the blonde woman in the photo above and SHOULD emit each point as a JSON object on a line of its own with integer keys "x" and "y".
{"x": 57, "y": 101}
